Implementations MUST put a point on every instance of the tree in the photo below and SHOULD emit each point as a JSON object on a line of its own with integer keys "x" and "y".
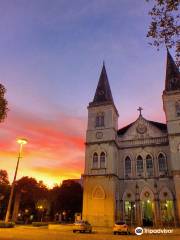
{"x": 4, "y": 177}
{"x": 53, "y": 198}
{"x": 164, "y": 28}
{"x": 4, "y": 192}
{"x": 30, "y": 192}
{"x": 69, "y": 198}
{"x": 3, "y": 103}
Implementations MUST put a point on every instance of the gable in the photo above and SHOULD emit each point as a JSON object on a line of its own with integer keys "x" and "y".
{"x": 142, "y": 129}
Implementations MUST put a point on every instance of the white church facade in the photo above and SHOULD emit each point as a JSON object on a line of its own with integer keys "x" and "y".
{"x": 133, "y": 173}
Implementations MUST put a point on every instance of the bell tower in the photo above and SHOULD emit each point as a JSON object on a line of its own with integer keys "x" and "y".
{"x": 101, "y": 155}
{"x": 171, "y": 103}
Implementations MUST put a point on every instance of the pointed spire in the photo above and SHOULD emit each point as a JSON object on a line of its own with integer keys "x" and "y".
{"x": 103, "y": 91}
{"x": 172, "y": 74}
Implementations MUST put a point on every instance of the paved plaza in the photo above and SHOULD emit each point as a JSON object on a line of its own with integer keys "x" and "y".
{"x": 65, "y": 233}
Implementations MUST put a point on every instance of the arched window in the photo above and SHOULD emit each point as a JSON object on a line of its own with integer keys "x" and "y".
{"x": 139, "y": 166}
{"x": 100, "y": 120}
{"x": 162, "y": 162}
{"x": 95, "y": 160}
{"x": 178, "y": 108}
{"x": 149, "y": 165}
{"x": 127, "y": 166}
{"x": 179, "y": 147}
{"x": 97, "y": 121}
{"x": 102, "y": 160}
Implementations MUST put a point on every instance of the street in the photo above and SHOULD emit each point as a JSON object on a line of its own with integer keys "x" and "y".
{"x": 65, "y": 233}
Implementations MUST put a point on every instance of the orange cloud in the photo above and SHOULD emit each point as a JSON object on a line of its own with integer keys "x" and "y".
{"x": 55, "y": 146}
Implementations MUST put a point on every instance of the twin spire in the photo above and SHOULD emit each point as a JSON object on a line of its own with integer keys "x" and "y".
{"x": 172, "y": 82}
{"x": 103, "y": 91}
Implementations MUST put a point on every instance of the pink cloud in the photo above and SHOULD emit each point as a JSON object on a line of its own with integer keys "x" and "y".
{"x": 56, "y": 145}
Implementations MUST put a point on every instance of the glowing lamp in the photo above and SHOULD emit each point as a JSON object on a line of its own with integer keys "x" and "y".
{"x": 22, "y": 141}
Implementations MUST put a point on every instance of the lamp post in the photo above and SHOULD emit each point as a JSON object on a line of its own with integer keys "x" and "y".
{"x": 20, "y": 141}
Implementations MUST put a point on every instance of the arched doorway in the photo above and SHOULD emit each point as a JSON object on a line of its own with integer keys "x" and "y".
{"x": 147, "y": 212}
{"x": 147, "y": 207}
{"x": 166, "y": 207}
{"x": 129, "y": 207}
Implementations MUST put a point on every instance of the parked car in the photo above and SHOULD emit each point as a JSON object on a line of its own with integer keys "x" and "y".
{"x": 121, "y": 228}
{"x": 82, "y": 226}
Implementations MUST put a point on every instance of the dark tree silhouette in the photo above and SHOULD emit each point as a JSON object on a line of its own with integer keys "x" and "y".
{"x": 27, "y": 193}
{"x": 4, "y": 177}
{"x": 3, "y": 103}
{"x": 4, "y": 192}
{"x": 164, "y": 28}
{"x": 70, "y": 198}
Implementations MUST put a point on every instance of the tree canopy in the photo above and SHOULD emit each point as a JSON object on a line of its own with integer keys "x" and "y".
{"x": 67, "y": 198}
{"x": 164, "y": 28}
{"x": 3, "y": 177}
{"x": 34, "y": 198}
{"x": 70, "y": 197}
{"x": 4, "y": 192}
{"x": 31, "y": 191}
{"x": 3, "y": 103}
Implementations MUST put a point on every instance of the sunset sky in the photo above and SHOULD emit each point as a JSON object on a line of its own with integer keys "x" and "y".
{"x": 51, "y": 55}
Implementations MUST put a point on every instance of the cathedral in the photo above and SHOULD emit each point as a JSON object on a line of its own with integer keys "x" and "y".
{"x": 132, "y": 174}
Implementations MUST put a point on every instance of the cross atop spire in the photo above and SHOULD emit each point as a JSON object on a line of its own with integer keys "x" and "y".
{"x": 103, "y": 91}
{"x": 172, "y": 81}
{"x": 140, "y": 110}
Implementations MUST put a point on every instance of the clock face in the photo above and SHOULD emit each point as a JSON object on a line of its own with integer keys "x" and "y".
{"x": 141, "y": 128}
{"x": 99, "y": 135}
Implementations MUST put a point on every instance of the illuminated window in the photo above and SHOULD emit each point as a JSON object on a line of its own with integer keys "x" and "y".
{"x": 139, "y": 165}
{"x": 100, "y": 120}
{"x": 95, "y": 160}
{"x": 149, "y": 165}
{"x": 127, "y": 166}
{"x": 162, "y": 163}
{"x": 102, "y": 160}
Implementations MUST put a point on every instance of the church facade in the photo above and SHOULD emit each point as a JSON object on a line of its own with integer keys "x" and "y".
{"x": 132, "y": 174}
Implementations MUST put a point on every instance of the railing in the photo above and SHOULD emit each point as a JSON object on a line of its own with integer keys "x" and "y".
{"x": 139, "y": 142}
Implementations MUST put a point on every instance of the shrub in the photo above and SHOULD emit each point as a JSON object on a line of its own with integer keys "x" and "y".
{"x": 20, "y": 222}
{"x": 6, "y": 225}
{"x": 39, "y": 224}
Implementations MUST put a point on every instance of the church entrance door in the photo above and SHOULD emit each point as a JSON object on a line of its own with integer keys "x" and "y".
{"x": 147, "y": 213}
{"x": 167, "y": 214}
{"x": 130, "y": 212}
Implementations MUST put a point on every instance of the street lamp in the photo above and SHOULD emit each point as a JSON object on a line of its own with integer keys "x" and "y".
{"x": 20, "y": 141}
